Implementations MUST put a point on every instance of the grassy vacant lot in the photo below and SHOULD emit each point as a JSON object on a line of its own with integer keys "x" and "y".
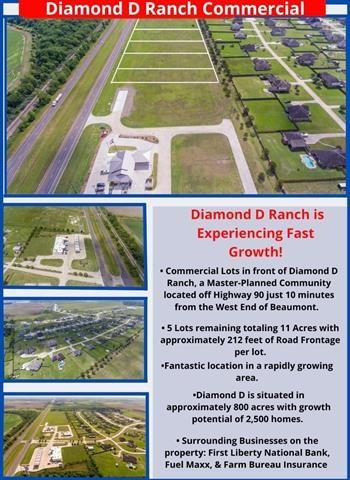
{"x": 10, "y": 421}
{"x": 143, "y": 35}
{"x": 166, "y": 24}
{"x": 106, "y": 464}
{"x": 252, "y": 87}
{"x": 18, "y": 55}
{"x": 320, "y": 122}
{"x": 172, "y": 105}
{"x": 90, "y": 262}
{"x": 33, "y": 169}
{"x": 14, "y": 277}
{"x": 74, "y": 454}
{"x": 229, "y": 50}
{"x": 203, "y": 164}
{"x": 289, "y": 166}
{"x": 269, "y": 115}
{"x": 160, "y": 47}
{"x": 56, "y": 417}
{"x": 130, "y": 76}
{"x": 159, "y": 60}
{"x": 76, "y": 173}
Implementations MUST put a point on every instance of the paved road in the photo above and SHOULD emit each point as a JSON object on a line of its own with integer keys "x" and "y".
{"x": 55, "y": 171}
{"x": 17, "y": 461}
{"x": 300, "y": 81}
{"x": 15, "y": 162}
{"x": 108, "y": 279}
{"x": 124, "y": 273}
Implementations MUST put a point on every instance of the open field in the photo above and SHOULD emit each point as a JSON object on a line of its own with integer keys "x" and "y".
{"x": 203, "y": 163}
{"x": 18, "y": 55}
{"x": 90, "y": 436}
{"x": 11, "y": 420}
{"x": 48, "y": 245}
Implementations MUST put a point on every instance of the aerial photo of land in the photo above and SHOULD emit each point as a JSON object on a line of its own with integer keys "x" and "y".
{"x": 75, "y": 436}
{"x": 75, "y": 339}
{"x": 73, "y": 246}
{"x": 220, "y": 106}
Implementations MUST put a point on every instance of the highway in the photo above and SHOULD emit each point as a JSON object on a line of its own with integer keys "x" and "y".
{"x": 56, "y": 169}
{"x": 14, "y": 162}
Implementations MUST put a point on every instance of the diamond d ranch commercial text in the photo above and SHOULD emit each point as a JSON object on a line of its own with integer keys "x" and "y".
{"x": 185, "y": 9}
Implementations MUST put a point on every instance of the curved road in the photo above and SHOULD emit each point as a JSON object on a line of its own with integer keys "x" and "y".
{"x": 55, "y": 171}
{"x": 14, "y": 163}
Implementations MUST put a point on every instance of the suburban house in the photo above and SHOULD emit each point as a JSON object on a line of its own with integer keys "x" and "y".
{"x": 306, "y": 59}
{"x": 330, "y": 81}
{"x": 270, "y": 22}
{"x": 57, "y": 357}
{"x": 249, "y": 47}
{"x": 332, "y": 37}
{"x": 277, "y": 85}
{"x": 298, "y": 113}
{"x": 278, "y": 32}
{"x": 261, "y": 65}
{"x": 33, "y": 366}
{"x": 51, "y": 343}
{"x": 290, "y": 42}
{"x": 342, "y": 44}
{"x": 235, "y": 27}
{"x": 334, "y": 158}
{"x": 240, "y": 36}
{"x": 294, "y": 140}
{"x": 129, "y": 459}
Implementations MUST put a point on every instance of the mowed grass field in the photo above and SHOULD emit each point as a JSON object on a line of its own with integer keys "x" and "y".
{"x": 56, "y": 417}
{"x": 18, "y": 54}
{"x": 11, "y": 420}
{"x": 165, "y": 51}
{"x": 204, "y": 163}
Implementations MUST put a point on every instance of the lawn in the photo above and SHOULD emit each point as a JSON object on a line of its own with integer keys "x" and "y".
{"x": 321, "y": 122}
{"x": 11, "y": 420}
{"x": 171, "y": 35}
{"x": 52, "y": 262}
{"x": 171, "y": 24}
{"x": 295, "y": 94}
{"x": 325, "y": 187}
{"x": 204, "y": 164}
{"x": 44, "y": 150}
{"x": 289, "y": 166}
{"x": 75, "y": 454}
{"x": 77, "y": 170}
{"x": 331, "y": 96}
{"x": 90, "y": 262}
{"x": 252, "y": 87}
{"x": 223, "y": 36}
{"x": 14, "y": 277}
{"x": 18, "y": 55}
{"x": 269, "y": 115}
{"x": 229, "y": 50}
{"x": 245, "y": 66}
{"x": 56, "y": 417}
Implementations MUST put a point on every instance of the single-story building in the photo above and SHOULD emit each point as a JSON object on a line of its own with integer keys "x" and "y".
{"x": 298, "y": 113}
{"x": 235, "y": 27}
{"x": 249, "y": 47}
{"x": 240, "y": 36}
{"x": 277, "y": 85}
{"x": 261, "y": 65}
{"x": 270, "y": 22}
{"x": 290, "y": 42}
{"x": 278, "y": 32}
{"x": 294, "y": 140}
{"x": 32, "y": 366}
{"x": 124, "y": 163}
{"x": 334, "y": 158}
{"x": 57, "y": 357}
{"x": 51, "y": 343}
{"x": 342, "y": 44}
{"x": 129, "y": 459}
{"x": 306, "y": 59}
{"x": 330, "y": 81}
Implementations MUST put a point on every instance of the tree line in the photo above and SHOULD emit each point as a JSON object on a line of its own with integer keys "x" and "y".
{"x": 57, "y": 48}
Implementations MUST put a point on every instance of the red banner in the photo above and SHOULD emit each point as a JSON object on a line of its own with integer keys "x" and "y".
{"x": 109, "y": 9}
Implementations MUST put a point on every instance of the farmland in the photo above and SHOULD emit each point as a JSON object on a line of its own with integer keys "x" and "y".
{"x": 91, "y": 436}
{"x": 79, "y": 339}
{"x": 72, "y": 245}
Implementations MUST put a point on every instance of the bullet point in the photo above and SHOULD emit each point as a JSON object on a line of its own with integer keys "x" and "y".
{"x": 163, "y": 328}
{"x": 162, "y": 365}
{"x": 161, "y": 270}
{"x": 177, "y": 440}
